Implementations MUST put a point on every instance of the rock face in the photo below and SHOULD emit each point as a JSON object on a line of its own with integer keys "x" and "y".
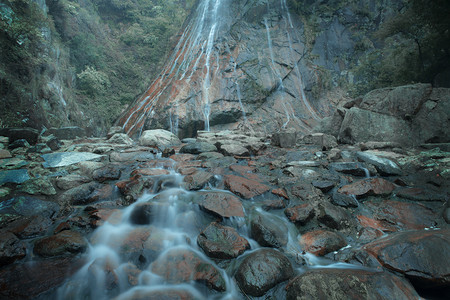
{"x": 422, "y": 256}
{"x": 262, "y": 270}
{"x": 348, "y": 284}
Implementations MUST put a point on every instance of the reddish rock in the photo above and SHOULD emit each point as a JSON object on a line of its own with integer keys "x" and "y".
{"x": 349, "y": 284}
{"x": 30, "y": 279}
{"x": 273, "y": 204}
{"x": 281, "y": 193}
{"x": 381, "y": 225}
{"x": 222, "y": 242}
{"x": 183, "y": 265}
{"x": 198, "y": 180}
{"x": 245, "y": 188}
{"x": 132, "y": 187}
{"x": 183, "y": 157}
{"x": 102, "y": 193}
{"x": 321, "y": 242}
{"x": 29, "y": 227}
{"x": 300, "y": 214}
{"x": 242, "y": 169}
{"x": 64, "y": 243}
{"x": 187, "y": 171}
{"x": 11, "y": 248}
{"x": 223, "y": 204}
{"x": 150, "y": 172}
{"x": 100, "y": 216}
{"x": 422, "y": 256}
{"x": 366, "y": 187}
{"x": 188, "y": 164}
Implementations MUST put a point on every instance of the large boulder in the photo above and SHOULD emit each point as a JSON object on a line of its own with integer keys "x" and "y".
{"x": 159, "y": 138}
{"x": 31, "y": 135}
{"x": 267, "y": 230}
{"x": 263, "y": 270}
{"x": 348, "y": 284}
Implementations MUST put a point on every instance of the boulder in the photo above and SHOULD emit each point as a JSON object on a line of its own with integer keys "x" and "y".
{"x": 38, "y": 186}
{"x": 366, "y": 187}
{"x": 121, "y": 138}
{"x": 67, "y": 133}
{"x": 14, "y": 176}
{"x": 383, "y": 165}
{"x": 352, "y": 168}
{"x": 70, "y": 181}
{"x": 107, "y": 173}
{"x": 11, "y": 248}
{"x": 5, "y": 154}
{"x": 182, "y": 265}
{"x": 323, "y": 141}
{"x": 234, "y": 150}
{"x": 64, "y": 243}
{"x": 222, "y": 242}
{"x": 22, "y": 143}
{"x": 198, "y": 180}
{"x": 225, "y": 205}
{"x": 245, "y": 188}
{"x": 198, "y": 147}
{"x": 349, "y": 284}
{"x": 159, "y": 138}
{"x": 268, "y": 230}
{"x": 29, "y": 206}
{"x": 321, "y": 242}
{"x": 334, "y": 217}
{"x": 262, "y": 270}
{"x": 344, "y": 200}
{"x": 286, "y": 138}
{"x": 31, "y": 135}
{"x": 422, "y": 256}
{"x": 63, "y": 159}
{"x": 300, "y": 214}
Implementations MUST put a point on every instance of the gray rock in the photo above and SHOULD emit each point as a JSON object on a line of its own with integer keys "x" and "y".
{"x": 333, "y": 216}
{"x": 322, "y": 140}
{"x": 286, "y": 138}
{"x": 384, "y": 166}
{"x": 267, "y": 230}
{"x": 352, "y": 168}
{"x": 210, "y": 156}
{"x": 344, "y": 200}
{"x": 234, "y": 150}
{"x": 70, "y": 181}
{"x": 159, "y": 138}
{"x": 14, "y": 176}
{"x": 28, "y": 206}
{"x": 121, "y": 138}
{"x": 63, "y": 159}
{"x": 198, "y": 147}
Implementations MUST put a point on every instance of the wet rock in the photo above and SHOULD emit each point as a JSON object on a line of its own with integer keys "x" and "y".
{"x": 29, "y": 206}
{"x": 422, "y": 256}
{"x": 348, "y": 284}
{"x": 67, "y": 133}
{"x": 106, "y": 173}
{"x": 321, "y": 242}
{"x": 222, "y": 242}
{"x": 245, "y": 188}
{"x": 323, "y": 185}
{"x": 144, "y": 213}
{"x": 352, "y": 168}
{"x": 150, "y": 172}
{"x": 344, "y": 200}
{"x": 198, "y": 180}
{"x": 198, "y": 147}
{"x": 131, "y": 156}
{"x": 273, "y": 204}
{"x": 366, "y": 187}
{"x": 159, "y": 138}
{"x": 30, "y": 227}
{"x": 71, "y": 181}
{"x": 81, "y": 195}
{"x": 121, "y": 138}
{"x": 183, "y": 265}
{"x": 384, "y": 166}
{"x": 14, "y": 176}
{"x": 334, "y": 217}
{"x": 268, "y": 230}
{"x": 286, "y": 138}
{"x": 418, "y": 194}
{"x": 22, "y": 143}
{"x": 11, "y": 248}
{"x": 168, "y": 152}
{"x": 225, "y": 205}
{"x": 30, "y": 279}
{"x": 210, "y": 156}
{"x": 64, "y": 243}
{"x": 281, "y": 193}
{"x": 300, "y": 214}
{"x": 63, "y": 159}
{"x": 38, "y": 186}
{"x": 262, "y": 270}
{"x": 132, "y": 187}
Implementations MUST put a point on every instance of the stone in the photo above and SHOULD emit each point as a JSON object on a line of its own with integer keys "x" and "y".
{"x": 132, "y": 156}
{"x": 273, "y": 204}
{"x": 222, "y": 242}
{"x": 159, "y": 138}
{"x": 234, "y": 150}
{"x": 321, "y": 242}
{"x": 183, "y": 265}
{"x": 52, "y": 142}
{"x": 81, "y": 195}
{"x": 38, "y": 186}
{"x": 262, "y": 270}
{"x": 323, "y": 185}
{"x": 210, "y": 156}
{"x": 281, "y": 192}
{"x": 31, "y": 135}
{"x": 384, "y": 166}
{"x": 132, "y": 187}
{"x": 418, "y": 194}
{"x": 168, "y": 152}
{"x": 71, "y": 181}
{"x": 223, "y": 204}
{"x": 22, "y": 143}
{"x": 30, "y": 227}
{"x": 14, "y": 176}
{"x": 334, "y": 217}
{"x": 362, "y": 126}
{"x": 11, "y": 248}
{"x": 198, "y": 180}
{"x": 63, "y": 159}
{"x": 67, "y": 133}
{"x": 198, "y": 147}
{"x": 367, "y": 187}
{"x": 13, "y": 163}
{"x": 245, "y": 188}
{"x": 87, "y": 168}
{"x": 121, "y": 138}
{"x": 324, "y": 141}
{"x": 64, "y": 243}
{"x": 286, "y": 138}
{"x": 113, "y": 130}
{"x": 332, "y": 283}
{"x": 29, "y": 206}
{"x": 5, "y": 154}
{"x": 422, "y": 256}
{"x": 107, "y": 173}
{"x": 344, "y": 200}
{"x": 268, "y": 230}
{"x": 352, "y": 168}
{"x": 300, "y": 214}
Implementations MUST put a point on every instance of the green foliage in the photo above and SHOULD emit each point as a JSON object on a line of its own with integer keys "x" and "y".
{"x": 93, "y": 82}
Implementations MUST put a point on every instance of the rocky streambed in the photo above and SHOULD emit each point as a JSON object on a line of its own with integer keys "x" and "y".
{"x": 228, "y": 215}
